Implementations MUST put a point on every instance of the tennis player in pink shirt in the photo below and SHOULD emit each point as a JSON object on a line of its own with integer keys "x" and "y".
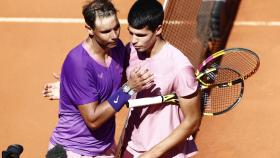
{"x": 160, "y": 130}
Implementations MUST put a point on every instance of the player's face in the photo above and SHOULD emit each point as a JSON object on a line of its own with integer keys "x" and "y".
{"x": 142, "y": 39}
{"x": 106, "y": 31}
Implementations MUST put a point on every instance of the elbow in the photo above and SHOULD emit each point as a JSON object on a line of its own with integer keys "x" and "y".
{"x": 93, "y": 125}
{"x": 196, "y": 124}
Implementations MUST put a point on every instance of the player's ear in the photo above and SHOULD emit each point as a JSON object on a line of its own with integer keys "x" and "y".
{"x": 159, "y": 30}
{"x": 89, "y": 29}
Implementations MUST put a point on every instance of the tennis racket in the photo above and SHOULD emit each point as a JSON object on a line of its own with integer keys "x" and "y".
{"x": 219, "y": 98}
{"x": 244, "y": 61}
{"x": 221, "y": 90}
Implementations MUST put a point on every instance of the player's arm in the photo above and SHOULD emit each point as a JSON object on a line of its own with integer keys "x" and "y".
{"x": 192, "y": 117}
{"x": 145, "y": 80}
{"x": 96, "y": 114}
{"x": 186, "y": 86}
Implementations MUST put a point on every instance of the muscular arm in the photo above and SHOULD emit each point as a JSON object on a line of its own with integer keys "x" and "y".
{"x": 95, "y": 115}
{"x": 192, "y": 116}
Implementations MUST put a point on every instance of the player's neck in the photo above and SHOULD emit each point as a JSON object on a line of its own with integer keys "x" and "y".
{"x": 96, "y": 47}
{"x": 96, "y": 51}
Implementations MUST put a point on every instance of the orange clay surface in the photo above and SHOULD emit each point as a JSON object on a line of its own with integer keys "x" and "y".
{"x": 31, "y": 52}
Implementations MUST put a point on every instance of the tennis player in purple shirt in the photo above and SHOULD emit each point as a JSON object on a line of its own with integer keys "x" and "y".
{"x": 91, "y": 89}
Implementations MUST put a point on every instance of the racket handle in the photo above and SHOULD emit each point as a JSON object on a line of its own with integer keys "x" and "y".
{"x": 145, "y": 101}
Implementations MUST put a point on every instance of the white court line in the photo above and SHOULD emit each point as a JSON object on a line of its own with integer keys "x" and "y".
{"x": 122, "y": 21}
{"x": 257, "y": 23}
{"x": 47, "y": 20}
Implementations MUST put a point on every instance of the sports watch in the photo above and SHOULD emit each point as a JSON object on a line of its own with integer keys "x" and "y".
{"x": 127, "y": 89}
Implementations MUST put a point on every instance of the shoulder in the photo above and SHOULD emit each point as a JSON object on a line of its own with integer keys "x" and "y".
{"x": 177, "y": 56}
{"x": 76, "y": 57}
{"x": 75, "y": 52}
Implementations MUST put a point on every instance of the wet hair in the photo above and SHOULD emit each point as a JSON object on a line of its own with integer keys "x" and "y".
{"x": 146, "y": 13}
{"x": 100, "y": 8}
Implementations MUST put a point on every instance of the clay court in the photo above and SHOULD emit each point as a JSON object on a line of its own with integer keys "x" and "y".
{"x": 31, "y": 50}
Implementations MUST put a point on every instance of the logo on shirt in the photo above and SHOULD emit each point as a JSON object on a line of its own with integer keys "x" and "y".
{"x": 100, "y": 75}
{"x": 116, "y": 100}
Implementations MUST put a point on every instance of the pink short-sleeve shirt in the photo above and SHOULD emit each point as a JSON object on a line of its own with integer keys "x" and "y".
{"x": 149, "y": 125}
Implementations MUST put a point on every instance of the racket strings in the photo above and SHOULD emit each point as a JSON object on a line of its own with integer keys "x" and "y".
{"x": 246, "y": 64}
{"x": 221, "y": 76}
{"x": 222, "y": 84}
{"x": 220, "y": 99}
{"x": 245, "y": 61}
